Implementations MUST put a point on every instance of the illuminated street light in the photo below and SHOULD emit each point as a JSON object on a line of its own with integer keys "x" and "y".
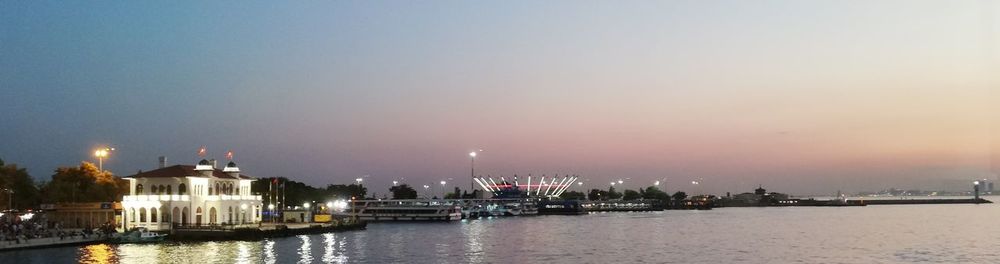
{"x": 394, "y": 183}
{"x": 472, "y": 174}
{"x": 656, "y": 183}
{"x": 101, "y": 154}
{"x": 306, "y": 205}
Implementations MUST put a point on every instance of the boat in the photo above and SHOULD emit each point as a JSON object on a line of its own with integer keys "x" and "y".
{"x": 140, "y": 235}
{"x": 405, "y": 210}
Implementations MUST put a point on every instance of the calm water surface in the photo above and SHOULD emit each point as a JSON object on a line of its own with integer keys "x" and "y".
{"x": 873, "y": 234}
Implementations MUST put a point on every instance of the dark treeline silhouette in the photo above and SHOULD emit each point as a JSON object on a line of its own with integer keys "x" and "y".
{"x": 81, "y": 184}
{"x": 281, "y": 190}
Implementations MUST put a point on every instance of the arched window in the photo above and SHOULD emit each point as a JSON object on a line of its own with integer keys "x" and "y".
{"x": 230, "y": 219}
{"x": 138, "y": 189}
{"x": 216, "y": 188}
{"x": 169, "y": 191}
{"x": 131, "y": 217}
{"x": 182, "y": 189}
{"x": 230, "y": 188}
{"x": 210, "y": 189}
{"x": 161, "y": 189}
{"x": 142, "y": 215}
{"x": 153, "y": 189}
{"x": 152, "y": 215}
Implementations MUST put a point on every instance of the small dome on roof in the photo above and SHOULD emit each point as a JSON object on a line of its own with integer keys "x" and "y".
{"x": 204, "y": 162}
{"x": 231, "y": 165}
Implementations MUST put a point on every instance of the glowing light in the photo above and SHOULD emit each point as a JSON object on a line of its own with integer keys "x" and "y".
{"x": 27, "y": 216}
{"x": 540, "y": 184}
{"x": 444, "y": 182}
{"x": 529, "y": 184}
{"x": 270, "y": 207}
{"x": 306, "y": 205}
{"x": 243, "y": 206}
{"x": 394, "y": 183}
{"x": 657, "y": 183}
{"x": 472, "y": 154}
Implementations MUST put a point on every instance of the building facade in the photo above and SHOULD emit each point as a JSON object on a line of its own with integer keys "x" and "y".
{"x": 83, "y": 215}
{"x": 185, "y": 195}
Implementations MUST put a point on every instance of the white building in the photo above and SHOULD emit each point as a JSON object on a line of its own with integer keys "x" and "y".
{"x": 190, "y": 195}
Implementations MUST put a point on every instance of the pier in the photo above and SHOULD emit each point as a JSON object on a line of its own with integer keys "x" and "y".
{"x": 50, "y": 242}
{"x": 262, "y": 231}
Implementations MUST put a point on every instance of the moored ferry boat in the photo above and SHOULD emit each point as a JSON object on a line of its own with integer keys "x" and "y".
{"x": 405, "y": 210}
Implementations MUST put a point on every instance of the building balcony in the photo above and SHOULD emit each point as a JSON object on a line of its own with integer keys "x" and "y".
{"x": 233, "y": 198}
{"x": 156, "y": 198}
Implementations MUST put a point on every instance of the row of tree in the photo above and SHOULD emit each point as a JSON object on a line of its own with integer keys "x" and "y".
{"x": 649, "y": 193}
{"x": 84, "y": 183}
{"x": 282, "y": 191}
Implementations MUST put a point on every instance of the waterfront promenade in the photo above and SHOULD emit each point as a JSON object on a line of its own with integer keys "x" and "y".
{"x": 50, "y": 242}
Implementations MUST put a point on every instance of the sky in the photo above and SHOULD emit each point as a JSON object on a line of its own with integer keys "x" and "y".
{"x": 803, "y": 97}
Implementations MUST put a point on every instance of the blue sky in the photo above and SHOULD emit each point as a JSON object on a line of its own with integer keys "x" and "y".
{"x": 803, "y": 96}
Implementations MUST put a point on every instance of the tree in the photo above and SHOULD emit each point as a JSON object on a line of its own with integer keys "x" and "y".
{"x": 631, "y": 195}
{"x": 680, "y": 196}
{"x": 453, "y": 195}
{"x": 654, "y": 193}
{"x": 594, "y": 195}
{"x": 612, "y": 194}
{"x": 83, "y": 184}
{"x": 403, "y": 191}
{"x": 17, "y": 184}
{"x": 573, "y": 195}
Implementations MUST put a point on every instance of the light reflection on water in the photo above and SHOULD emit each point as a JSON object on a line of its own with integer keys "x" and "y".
{"x": 873, "y": 234}
{"x": 305, "y": 251}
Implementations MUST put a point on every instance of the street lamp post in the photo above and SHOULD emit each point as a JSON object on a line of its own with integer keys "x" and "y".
{"x": 425, "y": 190}
{"x": 472, "y": 175}
{"x": 101, "y": 154}
{"x": 444, "y": 189}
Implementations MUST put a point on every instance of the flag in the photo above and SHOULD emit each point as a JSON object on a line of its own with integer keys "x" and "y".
{"x": 202, "y": 151}
{"x": 229, "y": 155}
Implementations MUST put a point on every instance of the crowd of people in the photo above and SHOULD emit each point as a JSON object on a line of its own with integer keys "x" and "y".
{"x": 14, "y": 229}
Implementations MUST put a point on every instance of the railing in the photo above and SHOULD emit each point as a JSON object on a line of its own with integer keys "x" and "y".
{"x": 150, "y": 225}
{"x": 222, "y": 226}
{"x": 185, "y": 198}
{"x": 232, "y": 197}
{"x": 164, "y": 197}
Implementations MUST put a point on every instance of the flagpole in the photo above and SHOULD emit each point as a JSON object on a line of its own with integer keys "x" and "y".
{"x": 283, "y": 200}
{"x": 270, "y": 197}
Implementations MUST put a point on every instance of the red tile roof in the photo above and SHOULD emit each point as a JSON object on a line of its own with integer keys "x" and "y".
{"x": 182, "y": 171}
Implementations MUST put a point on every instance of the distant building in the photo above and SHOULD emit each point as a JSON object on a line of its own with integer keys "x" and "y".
{"x": 759, "y": 197}
{"x": 189, "y": 195}
{"x": 82, "y": 215}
